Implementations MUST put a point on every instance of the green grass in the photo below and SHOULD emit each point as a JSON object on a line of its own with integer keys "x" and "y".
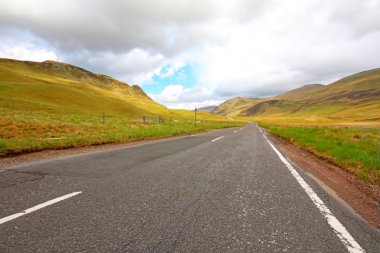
{"x": 354, "y": 149}
{"x": 22, "y": 132}
{"x": 339, "y": 121}
{"x": 55, "y": 105}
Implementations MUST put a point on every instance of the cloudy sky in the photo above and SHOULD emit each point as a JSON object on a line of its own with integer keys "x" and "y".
{"x": 187, "y": 53}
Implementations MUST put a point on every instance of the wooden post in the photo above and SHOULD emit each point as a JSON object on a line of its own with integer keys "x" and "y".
{"x": 104, "y": 118}
{"x": 195, "y": 116}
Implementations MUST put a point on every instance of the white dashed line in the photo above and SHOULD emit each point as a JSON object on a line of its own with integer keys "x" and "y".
{"x": 37, "y": 207}
{"x": 346, "y": 238}
{"x": 218, "y": 138}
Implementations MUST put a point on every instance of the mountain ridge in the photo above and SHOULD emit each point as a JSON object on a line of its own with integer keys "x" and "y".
{"x": 358, "y": 93}
{"x": 64, "y": 89}
{"x": 206, "y": 108}
{"x": 80, "y": 74}
{"x": 50, "y": 85}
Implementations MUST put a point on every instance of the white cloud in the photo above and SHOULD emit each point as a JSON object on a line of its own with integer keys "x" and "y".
{"x": 135, "y": 66}
{"x": 24, "y": 53}
{"x": 239, "y": 48}
{"x": 176, "y": 96}
{"x": 293, "y": 44}
{"x": 171, "y": 93}
{"x": 24, "y": 46}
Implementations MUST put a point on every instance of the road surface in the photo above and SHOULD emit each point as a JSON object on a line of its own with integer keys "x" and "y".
{"x": 222, "y": 191}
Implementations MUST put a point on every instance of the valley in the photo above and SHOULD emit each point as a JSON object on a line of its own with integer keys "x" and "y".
{"x": 53, "y": 105}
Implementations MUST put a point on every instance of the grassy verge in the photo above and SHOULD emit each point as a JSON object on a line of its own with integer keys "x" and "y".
{"x": 22, "y": 132}
{"x": 354, "y": 149}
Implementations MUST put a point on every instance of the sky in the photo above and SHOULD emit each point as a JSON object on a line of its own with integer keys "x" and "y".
{"x": 194, "y": 53}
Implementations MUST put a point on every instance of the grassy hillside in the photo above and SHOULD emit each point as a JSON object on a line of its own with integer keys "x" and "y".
{"x": 354, "y": 98}
{"x": 57, "y": 105}
{"x": 339, "y": 122}
{"x": 60, "y": 88}
{"x": 234, "y": 106}
{"x": 65, "y": 89}
{"x": 206, "y": 108}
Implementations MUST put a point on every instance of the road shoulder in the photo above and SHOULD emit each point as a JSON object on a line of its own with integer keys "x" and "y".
{"x": 360, "y": 196}
{"x": 48, "y": 154}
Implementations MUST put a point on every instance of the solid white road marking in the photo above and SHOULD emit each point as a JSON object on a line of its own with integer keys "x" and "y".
{"x": 218, "y": 138}
{"x": 35, "y": 208}
{"x": 346, "y": 238}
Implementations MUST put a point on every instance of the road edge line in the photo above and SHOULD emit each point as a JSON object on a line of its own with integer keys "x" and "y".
{"x": 342, "y": 233}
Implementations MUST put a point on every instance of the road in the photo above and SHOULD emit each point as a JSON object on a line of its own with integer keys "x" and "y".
{"x": 222, "y": 191}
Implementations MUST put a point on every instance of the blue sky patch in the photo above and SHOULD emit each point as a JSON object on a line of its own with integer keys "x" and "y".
{"x": 184, "y": 76}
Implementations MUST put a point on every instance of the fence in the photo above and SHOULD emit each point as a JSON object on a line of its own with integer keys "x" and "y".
{"x": 107, "y": 119}
{"x": 22, "y": 130}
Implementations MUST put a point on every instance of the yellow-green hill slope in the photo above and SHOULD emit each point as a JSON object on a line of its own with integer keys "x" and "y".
{"x": 355, "y": 97}
{"x": 62, "y": 88}
{"x": 49, "y": 104}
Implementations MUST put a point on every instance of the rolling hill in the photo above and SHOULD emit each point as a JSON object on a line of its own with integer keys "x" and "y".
{"x": 54, "y": 105}
{"x": 356, "y": 97}
{"x": 206, "y": 108}
{"x": 62, "y": 88}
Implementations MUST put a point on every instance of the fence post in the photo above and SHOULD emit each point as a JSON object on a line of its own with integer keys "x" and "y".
{"x": 195, "y": 116}
{"x": 159, "y": 119}
{"x": 104, "y": 118}
{"x": 143, "y": 118}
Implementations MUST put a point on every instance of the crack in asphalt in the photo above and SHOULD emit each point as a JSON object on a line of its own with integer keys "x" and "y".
{"x": 192, "y": 219}
{"x": 23, "y": 181}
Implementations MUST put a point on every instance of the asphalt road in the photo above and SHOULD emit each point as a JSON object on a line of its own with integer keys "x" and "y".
{"x": 202, "y": 193}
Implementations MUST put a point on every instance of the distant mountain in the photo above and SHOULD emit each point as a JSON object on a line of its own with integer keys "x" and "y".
{"x": 233, "y": 106}
{"x": 206, "y": 108}
{"x": 63, "y": 88}
{"x": 355, "y": 96}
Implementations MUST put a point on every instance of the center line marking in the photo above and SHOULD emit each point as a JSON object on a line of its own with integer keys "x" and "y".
{"x": 345, "y": 237}
{"x": 37, "y": 207}
{"x": 218, "y": 138}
